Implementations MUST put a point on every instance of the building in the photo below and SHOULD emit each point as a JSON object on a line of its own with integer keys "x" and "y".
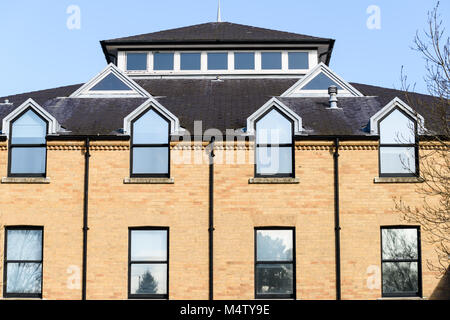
{"x": 212, "y": 161}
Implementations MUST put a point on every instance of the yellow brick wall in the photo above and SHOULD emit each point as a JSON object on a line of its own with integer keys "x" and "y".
{"x": 239, "y": 207}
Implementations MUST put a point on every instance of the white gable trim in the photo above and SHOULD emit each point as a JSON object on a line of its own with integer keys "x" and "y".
{"x": 274, "y": 102}
{"x": 296, "y": 90}
{"x": 396, "y": 103}
{"x": 53, "y": 125}
{"x": 152, "y": 103}
{"x": 136, "y": 90}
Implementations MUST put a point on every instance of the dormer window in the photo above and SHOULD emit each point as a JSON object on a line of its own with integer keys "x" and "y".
{"x": 163, "y": 61}
{"x": 271, "y": 60}
{"x": 27, "y": 148}
{"x": 217, "y": 60}
{"x": 321, "y": 82}
{"x": 190, "y": 61}
{"x": 274, "y": 145}
{"x": 398, "y": 148}
{"x": 298, "y": 60}
{"x": 111, "y": 83}
{"x": 136, "y": 61}
{"x": 244, "y": 60}
{"x": 150, "y": 150}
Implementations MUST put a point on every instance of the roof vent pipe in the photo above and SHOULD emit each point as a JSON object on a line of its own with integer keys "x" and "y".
{"x": 332, "y": 91}
{"x": 6, "y": 101}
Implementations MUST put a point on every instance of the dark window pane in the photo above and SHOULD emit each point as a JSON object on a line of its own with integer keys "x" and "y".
{"x": 298, "y": 60}
{"x": 218, "y": 61}
{"x": 148, "y": 279}
{"x": 274, "y": 245}
{"x": 244, "y": 61}
{"x": 24, "y": 245}
{"x": 397, "y": 128}
{"x": 274, "y": 160}
{"x": 400, "y": 277}
{"x": 320, "y": 82}
{"x": 274, "y": 279}
{"x": 270, "y": 60}
{"x": 150, "y": 128}
{"x": 399, "y": 243}
{"x": 273, "y": 128}
{"x": 110, "y": 83}
{"x": 28, "y": 160}
{"x": 148, "y": 245}
{"x": 150, "y": 160}
{"x": 397, "y": 160}
{"x": 190, "y": 61}
{"x": 24, "y": 278}
{"x": 136, "y": 61}
{"x": 163, "y": 61}
{"x": 29, "y": 129}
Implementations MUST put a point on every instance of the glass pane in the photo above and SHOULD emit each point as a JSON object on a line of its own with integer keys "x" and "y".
{"x": 274, "y": 160}
{"x": 163, "y": 61}
{"x": 298, "y": 60}
{"x": 397, "y": 160}
{"x": 110, "y": 83}
{"x": 320, "y": 82}
{"x": 150, "y": 128}
{"x": 190, "y": 61}
{"x": 24, "y": 245}
{"x": 270, "y": 60}
{"x": 244, "y": 61}
{"x": 28, "y": 160}
{"x": 400, "y": 277}
{"x": 29, "y": 129}
{"x": 136, "y": 61}
{"x": 24, "y": 278}
{"x": 150, "y": 160}
{"x": 218, "y": 61}
{"x": 274, "y": 245}
{"x": 397, "y": 128}
{"x": 148, "y": 279}
{"x": 274, "y": 279}
{"x": 148, "y": 245}
{"x": 399, "y": 243}
{"x": 274, "y": 128}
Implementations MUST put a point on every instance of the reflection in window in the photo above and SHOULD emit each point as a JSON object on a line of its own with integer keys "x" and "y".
{"x": 217, "y": 61}
{"x": 163, "y": 61}
{"x": 397, "y": 145}
{"x": 244, "y": 60}
{"x": 23, "y": 262}
{"x": 321, "y": 82}
{"x": 136, "y": 61}
{"x": 274, "y": 145}
{"x": 190, "y": 61}
{"x": 271, "y": 60}
{"x": 148, "y": 263}
{"x": 400, "y": 261}
{"x": 28, "y": 145}
{"x": 150, "y": 145}
{"x": 110, "y": 83}
{"x": 298, "y": 60}
{"x": 275, "y": 269}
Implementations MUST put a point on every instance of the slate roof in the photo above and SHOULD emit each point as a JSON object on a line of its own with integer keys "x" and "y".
{"x": 216, "y": 32}
{"x": 222, "y": 105}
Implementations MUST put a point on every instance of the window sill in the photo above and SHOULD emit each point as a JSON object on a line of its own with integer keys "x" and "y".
{"x": 26, "y": 180}
{"x": 398, "y": 180}
{"x": 273, "y": 181}
{"x": 148, "y": 181}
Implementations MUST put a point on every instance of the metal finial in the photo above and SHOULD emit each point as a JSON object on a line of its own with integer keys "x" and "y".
{"x": 219, "y": 18}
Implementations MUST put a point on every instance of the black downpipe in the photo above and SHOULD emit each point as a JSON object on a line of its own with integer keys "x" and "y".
{"x": 337, "y": 227}
{"x": 211, "y": 220}
{"x": 85, "y": 217}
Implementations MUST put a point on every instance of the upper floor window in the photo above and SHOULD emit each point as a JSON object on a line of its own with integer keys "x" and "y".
{"x": 244, "y": 60}
{"x": 163, "y": 61}
{"x": 23, "y": 262}
{"x": 271, "y": 60}
{"x": 275, "y": 263}
{"x": 190, "y": 61}
{"x": 150, "y": 150}
{"x": 298, "y": 60}
{"x": 217, "y": 60}
{"x": 136, "y": 61}
{"x": 274, "y": 145}
{"x": 148, "y": 263}
{"x": 27, "y": 149}
{"x": 401, "y": 262}
{"x": 398, "y": 149}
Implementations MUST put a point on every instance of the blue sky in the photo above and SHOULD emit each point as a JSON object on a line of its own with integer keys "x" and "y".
{"x": 38, "y": 51}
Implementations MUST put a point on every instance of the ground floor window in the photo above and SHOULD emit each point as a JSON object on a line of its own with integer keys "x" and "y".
{"x": 148, "y": 263}
{"x": 275, "y": 263}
